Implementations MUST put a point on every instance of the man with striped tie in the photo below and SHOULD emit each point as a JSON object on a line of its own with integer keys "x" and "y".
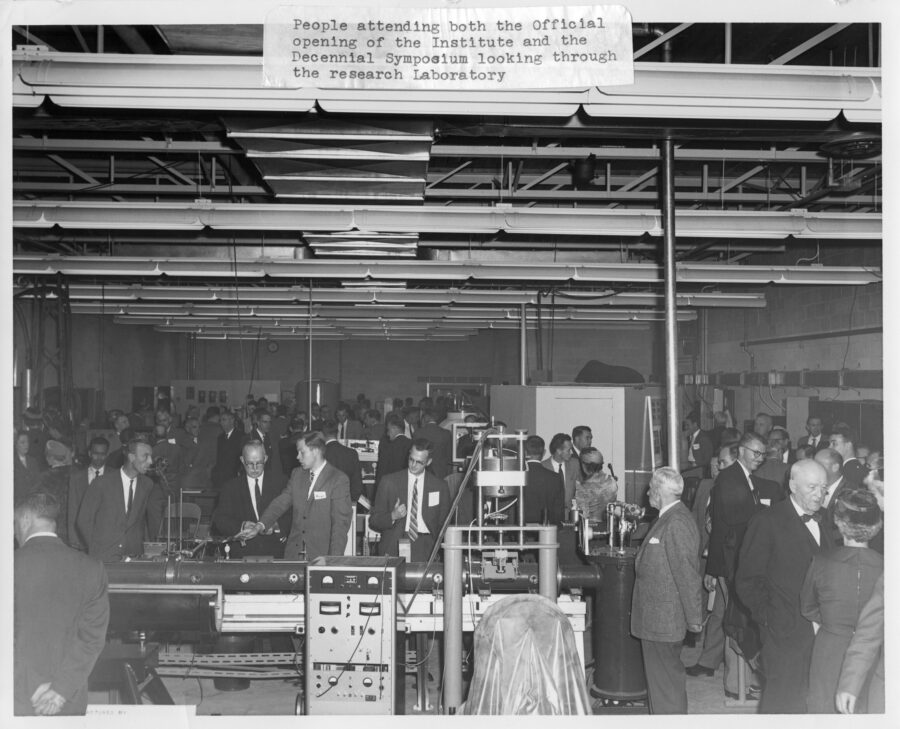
{"x": 412, "y": 504}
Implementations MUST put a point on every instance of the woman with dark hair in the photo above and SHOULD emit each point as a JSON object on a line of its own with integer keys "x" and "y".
{"x": 594, "y": 489}
{"x": 838, "y": 584}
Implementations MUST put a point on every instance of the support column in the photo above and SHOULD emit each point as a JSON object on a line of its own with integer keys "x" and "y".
{"x": 548, "y": 562}
{"x": 453, "y": 633}
{"x": 522, "y": 346}
{"x": 668, "y": 215}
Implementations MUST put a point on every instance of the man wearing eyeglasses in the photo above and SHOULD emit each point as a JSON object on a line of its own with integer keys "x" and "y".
{"x": 245, "y": 498}
{"x": 736, "y": 496}
{"x": 411, "y": 504}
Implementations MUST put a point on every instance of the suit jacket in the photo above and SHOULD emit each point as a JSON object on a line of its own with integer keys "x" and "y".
{"x": 321, "y": 519}
{"x": 854, "y": 472}
{"x": 61, "y": 614}
{"x": 667, "y": 586}
{"x": 234, "y": 507}
{"x": 56, "y": 482}
{"x": 543, "y": 492}
{"x": 701, "y": 509}
{"x": 702, "y": 450}
{"x": 775, "y": 555}
{"x": 865, "y": 655}
{"x": 347, "y": 460}
{"x": 353, "y": 430}
{"x": 102, "y": 524}
{"x": 828, "y": 512}
{"x": 287, "y": 453}
{"x": 24, "y": 476}
{"x": 392, "y": 456}
{"x": 570, "y": 470}
{"x": 228, "y": 456}
{"x": 731, "y": 507}
{"x": 78, "y": 486}
{"x": 820, "y": 446}
{"x": 443, "y": 445}
{"x": 434, "y": 509}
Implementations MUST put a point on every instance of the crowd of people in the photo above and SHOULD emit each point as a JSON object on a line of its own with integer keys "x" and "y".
{"x": 788, "y": 540}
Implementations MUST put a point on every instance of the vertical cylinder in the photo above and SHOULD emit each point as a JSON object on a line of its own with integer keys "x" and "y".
{"x": 668, "y": 210}
{"x": 453, "y": 595}
{"x": 548, "y": 562}
{"x": 309, "y": 393}
{"x": 522, "y": 345}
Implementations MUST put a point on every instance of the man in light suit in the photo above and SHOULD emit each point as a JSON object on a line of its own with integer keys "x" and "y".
{"x": 443, "y": 444}
{"x": 80, "y": 480}
{"x": 666, "y": 601}
{"x": 343, "y": 458}
{"x": 122, "y": 509}
{"x": 320, "y": 496}
{"x": 865, "y": 656}
{"x": 245, "y": 498}
{"x": 778, "y": 546}
{"x": 411, "y": 503}
{"x": 562, "y": 463}
{"x": 61, "y": 611}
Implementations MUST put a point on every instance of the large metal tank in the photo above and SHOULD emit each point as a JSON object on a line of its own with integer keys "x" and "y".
{"x": 618, "y": 663}
{"x": 324, "y": 392}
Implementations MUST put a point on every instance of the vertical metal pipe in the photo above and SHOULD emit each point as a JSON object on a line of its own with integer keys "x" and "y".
{"x": 522, "y": 345}
{"x": 727, "y": 42}
{"x": 453, "y": 595}
{"x": 668, "y": 215}
{"x": 309, "y": 384}
{"x": 548, "y": 562}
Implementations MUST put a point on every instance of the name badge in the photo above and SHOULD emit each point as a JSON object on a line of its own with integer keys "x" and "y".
{"x": 765, "y": 502}
{"x": 171, "y": 440}
{"x": 654, "y": 540}
{"x": 434, "y": 498}
{"x": 696, "y": 446}
{"x": 318, "y": 495}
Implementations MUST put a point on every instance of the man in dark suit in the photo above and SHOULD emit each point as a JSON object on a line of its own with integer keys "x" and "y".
{"x": 814, "y": 437}
{"x": 561, "y": 462}
{"x": 776, "y": 552}
{"x": 411, "y": 503}
{"x": 25, "y": 466}
{"x": 122, "y": 509}
{"x": 228, "y": 451}
{"x": 287, "y": 446}
{"x": 736, "y": 496}
{"x": 843, "y": 441}
{"x": 582, "y": 437}
{"x": 79, "y": 481}
{"x": 343, "y": 458}
{"x": 393, "y": 448}
{"x": 244, "y": 499}
{"x": 543, "y": 490}
{"x": 61, "y": 611}
{"x": 666, "y": 601}
{"x": 443, "y": 444}
{"x": 348, "y": 427}
{"x": 320, "y": 496}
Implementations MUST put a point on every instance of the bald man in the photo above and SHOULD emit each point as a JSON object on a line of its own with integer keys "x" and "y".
{"x": 776, "y": 552}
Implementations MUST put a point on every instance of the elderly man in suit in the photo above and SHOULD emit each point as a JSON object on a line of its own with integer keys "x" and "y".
{"x": 561, "y": 462}
{"x": 343, "y": 458}
{"x": 122, "y": 508}
{"x": 61, "y": 611}
{"x": 411, "y": 503}
{"x": 320, "y": 496}
{"x": 80, "y": 480}
{"x": 443, "y": 444}
{"x": 776, "y": 552}
{"x": 245, "y": 498}
{"x": 666, "y": 601}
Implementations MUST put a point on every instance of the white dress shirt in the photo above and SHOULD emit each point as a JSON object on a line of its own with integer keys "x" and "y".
{"x": 313, "y": 475}
{"x": 251, "y": 485}
{"x": 126, "y": 486}
{"x": 812, "y": 524}
{"x": 94, "y": 473}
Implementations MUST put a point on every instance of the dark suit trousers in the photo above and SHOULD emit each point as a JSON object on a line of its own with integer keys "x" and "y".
{"x": 666, "y": 679}
{"x": 785, "y": 664}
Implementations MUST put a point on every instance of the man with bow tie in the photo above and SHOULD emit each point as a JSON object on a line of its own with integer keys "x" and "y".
{"x": 778, "y": 546}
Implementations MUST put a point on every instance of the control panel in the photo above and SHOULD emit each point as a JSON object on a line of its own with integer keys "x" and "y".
{"x": 353, "y": 640}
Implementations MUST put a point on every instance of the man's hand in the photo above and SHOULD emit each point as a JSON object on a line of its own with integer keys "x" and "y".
{"x": 249, "y": 530}
{"x": 399, "y": 511}
{"x": 49, "y": 703}
{"x": 39, "y": 692}
{"x": 845, "y": 702}
{"x": 709, "y": 582}
{"x": 695, "y": 627}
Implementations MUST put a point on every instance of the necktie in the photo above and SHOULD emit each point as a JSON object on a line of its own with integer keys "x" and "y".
{"x": 817, "y": 517}
{"x": 413, "y": 530}
{"x": 130, "y": 497}
{"x": 94, "y": 477}
{"x": 258, "y": 491}
{"x": 341, "y": 433}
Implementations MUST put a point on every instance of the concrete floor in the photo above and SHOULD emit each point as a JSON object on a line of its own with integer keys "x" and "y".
{"x": 277, "y": 696}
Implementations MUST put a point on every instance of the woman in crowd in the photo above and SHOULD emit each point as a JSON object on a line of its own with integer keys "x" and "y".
{"x": 837, "y": 586}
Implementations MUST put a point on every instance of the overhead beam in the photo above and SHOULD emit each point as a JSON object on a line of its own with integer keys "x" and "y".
{"x": 439, "y": 219}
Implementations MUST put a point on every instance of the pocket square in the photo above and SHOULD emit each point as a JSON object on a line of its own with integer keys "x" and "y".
{"x": 654, "y": 540}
